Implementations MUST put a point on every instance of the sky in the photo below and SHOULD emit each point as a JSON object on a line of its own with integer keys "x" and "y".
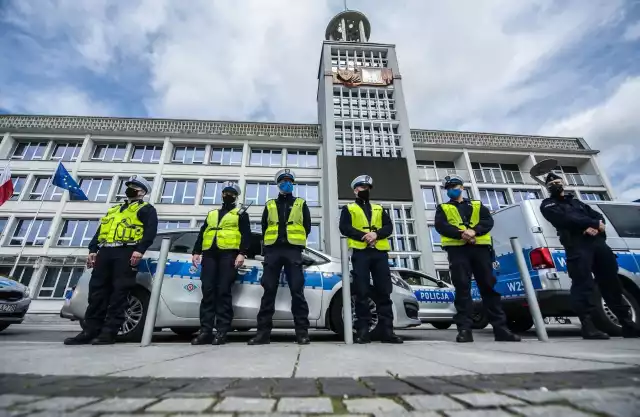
{"x": 565, "y": 67}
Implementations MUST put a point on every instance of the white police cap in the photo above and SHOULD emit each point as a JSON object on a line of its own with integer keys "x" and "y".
{"x": 231, "y": 186}
{"x": 452, "y": 180}
{"x": 140, "y": 182}
{"x": 362, "y": 180}
{"x": 283, "y": 173}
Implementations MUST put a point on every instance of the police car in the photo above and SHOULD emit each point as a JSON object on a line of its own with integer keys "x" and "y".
{"x": 181, "y": 292}
{"x": 14, "y": 302}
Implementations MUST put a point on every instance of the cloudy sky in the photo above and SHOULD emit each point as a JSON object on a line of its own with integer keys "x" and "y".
{"x": 566, "y": 67}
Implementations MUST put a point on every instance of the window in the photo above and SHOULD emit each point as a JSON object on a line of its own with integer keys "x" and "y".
{"x": 109, "y": 152}
{"x": 350, "y": 59}
{"x": 406, "y": 261}
{"x": 367, "y": 138}
{"x": 77, "y": 232}
{"x": 66, "y": 152}
{"x": 96, "y": 189}
{"x": 37, "y": 234}
{"x": 18, "y": 185}
{"x": 179, "y": 192}
{"x": 266, "y": 157}
{"x": 429, "y": 197}
{"x": 120, "y": 195}
{"x": 466, "y": 193}
{"x": 22, "y": 273}
{"x": 309, "y": 192}
{"x": 624, "y": 218}
{"x": 521, "y": 195}
{"x": 494, "y": 199}
{"x": 212, "y": 193}
{"x": 404, "y": 238}
{"x": 259, "y": 192}
{"x": 43, "y": 190}
{"x": 173, "y": 224}
{"x": 594, "y": 196}
{"x": 313, "y": 240}
{"x": 3, "y": 223}
{"x": 444, "y": 275}
{"x": 436, "y": 240}
{"x": 364, "y": 103}
{"x": 57, "y": 280}
{"x": 29, "y": 151}
{"x": 226, "y": 156}
{"x": 437, "y": 170}
{"x": 146, "y": 153}
{"x": 302, "y": 159}
{"x": 180, "y": 242}
{"x": 256, "y": 227}
{"x": 188, "y": 155}
{"x": 497, "y": 173}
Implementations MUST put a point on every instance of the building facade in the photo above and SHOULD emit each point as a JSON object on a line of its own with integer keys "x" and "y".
{"x": 361, "y": 115}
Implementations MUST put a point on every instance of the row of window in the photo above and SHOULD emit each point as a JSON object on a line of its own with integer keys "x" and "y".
{"x": 173, "y": 191}
{"x": 118, "y": 152}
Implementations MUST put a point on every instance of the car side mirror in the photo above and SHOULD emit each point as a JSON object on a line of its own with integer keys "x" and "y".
{"x": 259, "y": 258}
{"x": 441, "y": 284}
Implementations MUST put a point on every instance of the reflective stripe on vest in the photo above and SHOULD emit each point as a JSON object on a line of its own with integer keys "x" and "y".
{"x": 453, "y": 217}
{"x": 122, "y": 227}
{"x": 225, "y": 231}
{"x": 359, "y": 222}
{"x": 296, "y": 233}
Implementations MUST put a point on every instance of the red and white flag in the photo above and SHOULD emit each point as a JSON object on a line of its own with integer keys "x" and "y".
{"x": 6, "y": 185}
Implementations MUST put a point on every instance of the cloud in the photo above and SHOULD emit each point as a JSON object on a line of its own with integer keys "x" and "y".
{"x": 632, "y": 33}
{"x": 58, "y": 101}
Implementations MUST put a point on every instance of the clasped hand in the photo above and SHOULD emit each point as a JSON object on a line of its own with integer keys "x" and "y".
{"x": 469, "y": 235}
{"x": 370, "y": 238}
{"x": 593, "y": 232}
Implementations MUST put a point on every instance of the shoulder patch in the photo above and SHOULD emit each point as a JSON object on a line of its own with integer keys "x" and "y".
{"x": 548, "y": 205}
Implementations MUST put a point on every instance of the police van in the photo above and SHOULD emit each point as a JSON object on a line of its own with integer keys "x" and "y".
{"x": 546, "y": 261}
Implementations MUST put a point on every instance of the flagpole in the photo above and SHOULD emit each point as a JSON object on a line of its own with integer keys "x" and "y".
{"x": 35, "y": 218}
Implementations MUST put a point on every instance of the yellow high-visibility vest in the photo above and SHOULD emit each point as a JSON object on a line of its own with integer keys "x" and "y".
{"x": 453, "y": 217}
{"x": 296, "y": 233}
{"x": 122, "y": 227}
{"x": 226, "y": 229}
{"x": 359, "y": 222}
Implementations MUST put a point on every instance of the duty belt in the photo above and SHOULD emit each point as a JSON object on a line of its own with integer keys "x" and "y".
{"x": 114, "y": 245}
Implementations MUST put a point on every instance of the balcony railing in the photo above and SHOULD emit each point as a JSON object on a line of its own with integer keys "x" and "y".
{"x": 583, "y": 180}
{"x": 498, "y": 176}
{"x": 428, "y": 173}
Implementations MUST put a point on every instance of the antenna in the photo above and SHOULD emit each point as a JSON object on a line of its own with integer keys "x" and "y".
{"x": 345, "y": 5}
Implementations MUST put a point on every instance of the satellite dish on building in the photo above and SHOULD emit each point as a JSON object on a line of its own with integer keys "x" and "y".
{"x": 542, "y": 168}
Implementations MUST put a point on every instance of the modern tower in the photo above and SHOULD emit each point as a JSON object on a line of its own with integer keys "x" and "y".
{"x": 365, "y": 130}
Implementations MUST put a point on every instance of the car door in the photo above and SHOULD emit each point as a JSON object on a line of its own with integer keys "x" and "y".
{"x": 625, "y": 220}
{"x": 435, "y": 296}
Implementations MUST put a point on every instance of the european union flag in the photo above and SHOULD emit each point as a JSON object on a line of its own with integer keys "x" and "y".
{"x": 63, "y": 179}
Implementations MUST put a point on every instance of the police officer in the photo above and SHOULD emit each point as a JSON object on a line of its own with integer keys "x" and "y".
{"x": 582, "y": 233}
{"x": 123, "y": 236}
{"x": 464, "y": 227}
{"x": 367, "y": 227}
{"x": 221, "y": 247}
{"x": 286, "y": 223}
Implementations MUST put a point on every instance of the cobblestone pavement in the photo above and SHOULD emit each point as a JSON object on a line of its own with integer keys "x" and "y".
{"x": 613, "y": 392}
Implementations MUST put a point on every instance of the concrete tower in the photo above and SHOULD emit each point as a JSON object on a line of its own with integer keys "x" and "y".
{"x": 365, "y": 130}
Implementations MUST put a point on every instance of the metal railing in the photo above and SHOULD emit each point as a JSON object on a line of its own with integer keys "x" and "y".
{"x": 428, "y": 173}
{"x": 498, "y": 176}
{"x": 583, "y": 180}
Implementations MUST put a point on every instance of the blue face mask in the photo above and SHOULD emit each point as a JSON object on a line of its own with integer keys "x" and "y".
{"x": 454, "y": 193}
{"x": 286, "y": 187}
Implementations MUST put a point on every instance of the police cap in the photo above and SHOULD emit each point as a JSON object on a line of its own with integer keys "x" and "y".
{"x": 452, "y": 180}
{"x": 231, "y": 186}
{"x": 552, "y": 177}
{"x": 362, "y": 180}
{"x": 140, "y": 182}
{"x": 285, "y": 173}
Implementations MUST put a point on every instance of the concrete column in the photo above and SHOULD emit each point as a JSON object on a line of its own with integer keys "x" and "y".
{"x": 6, "y": 146}
{"x": 603, "y": 176}
{"x": 343, "y": 25}
{"x": 199, "y": 191}
{"x": 37, "y": 278}
{"x": 362, "y": 32}
{"x": 474, "y": 186}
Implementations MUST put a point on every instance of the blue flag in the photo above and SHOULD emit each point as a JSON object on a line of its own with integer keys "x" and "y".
{"x": 63, "y": 179}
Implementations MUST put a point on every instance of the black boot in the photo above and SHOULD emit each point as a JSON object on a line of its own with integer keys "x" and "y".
{"x": 204, "y": 338}
{"x": 362, "y": 336}
{"x": 82, "y": 338}
{"x": 302, "y": 337}
{"x": 221, "y": 338}
{"x": 464, "y": 336}
{"x": 392, "y": 338}
{"x": 589, "y": 330}
{"x": 505, "y": 335}
{"x": 630, "y": 330}
{"x": 104, "y": 338}
{"x": 261, "y": 338}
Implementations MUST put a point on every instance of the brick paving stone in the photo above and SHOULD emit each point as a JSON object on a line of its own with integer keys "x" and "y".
{"x": 51, "y": 413}
{"x": 305, "y": 405}
{"x": 8, "y": 400}
{"x": 373, "y": 405}
{"x": 295, "y": 387}
{"x": 119, "y": 404}
{"x": 432, "y": 402}
{"x": 245, "y": 405}
{"x": 488, "y": 399}
{"x": 386, "y": 385}
{"x": 592, "y": 395}
{"x": 549, "y": 411}
{"x": 536, "y": 396}
{"x": 181, "y": 405}
{"x": 478, "y": 413}
{"x": 618, "y": 408}
{"x": 173, "y": 383}
{"x": 253, "y": 387}
{"x": 144, "y": 392}
{"x": 205, "y": 388}
{"x": 44, "y": 390}
{"x": 337, "y": 387}
{"x": 58, "y": 403}
{"x": 432, "y": 385}
{"x": 10, "y": 413}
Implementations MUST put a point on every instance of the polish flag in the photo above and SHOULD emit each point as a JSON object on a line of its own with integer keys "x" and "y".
{"x": 6, "y": 185}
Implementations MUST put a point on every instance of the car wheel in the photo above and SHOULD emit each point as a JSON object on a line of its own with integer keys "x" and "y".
{"x": 4, "y": 326}
{"x": 605, "y": 320}
{"x": 441, "y": 325}
{"x": 520, "y": 324}
{"x": 479, "y": 317}
{"x": 135, "y": 316}
{"x": 185, "y": 331}
{"x": 335, "y": 315}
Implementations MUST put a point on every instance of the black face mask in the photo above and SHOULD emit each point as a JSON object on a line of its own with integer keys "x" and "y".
{"x": 228, "y": 199}
{"x": 131, "y": 192}
{"x": 555, "y": 189}
{"x": 364, "y": 194}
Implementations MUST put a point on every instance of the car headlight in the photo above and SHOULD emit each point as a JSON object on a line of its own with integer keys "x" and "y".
{"x": 397, "y": 281}
{"x": 26, "y": 292}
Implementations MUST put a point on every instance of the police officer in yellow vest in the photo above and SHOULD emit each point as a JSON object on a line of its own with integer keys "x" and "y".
{"x": 221, "y": 247}
{"x": 286, "y": 223}
{"x": 368, "y": 227}
{"x": 464, "y": 226}
{"x": 123, "y": 236}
